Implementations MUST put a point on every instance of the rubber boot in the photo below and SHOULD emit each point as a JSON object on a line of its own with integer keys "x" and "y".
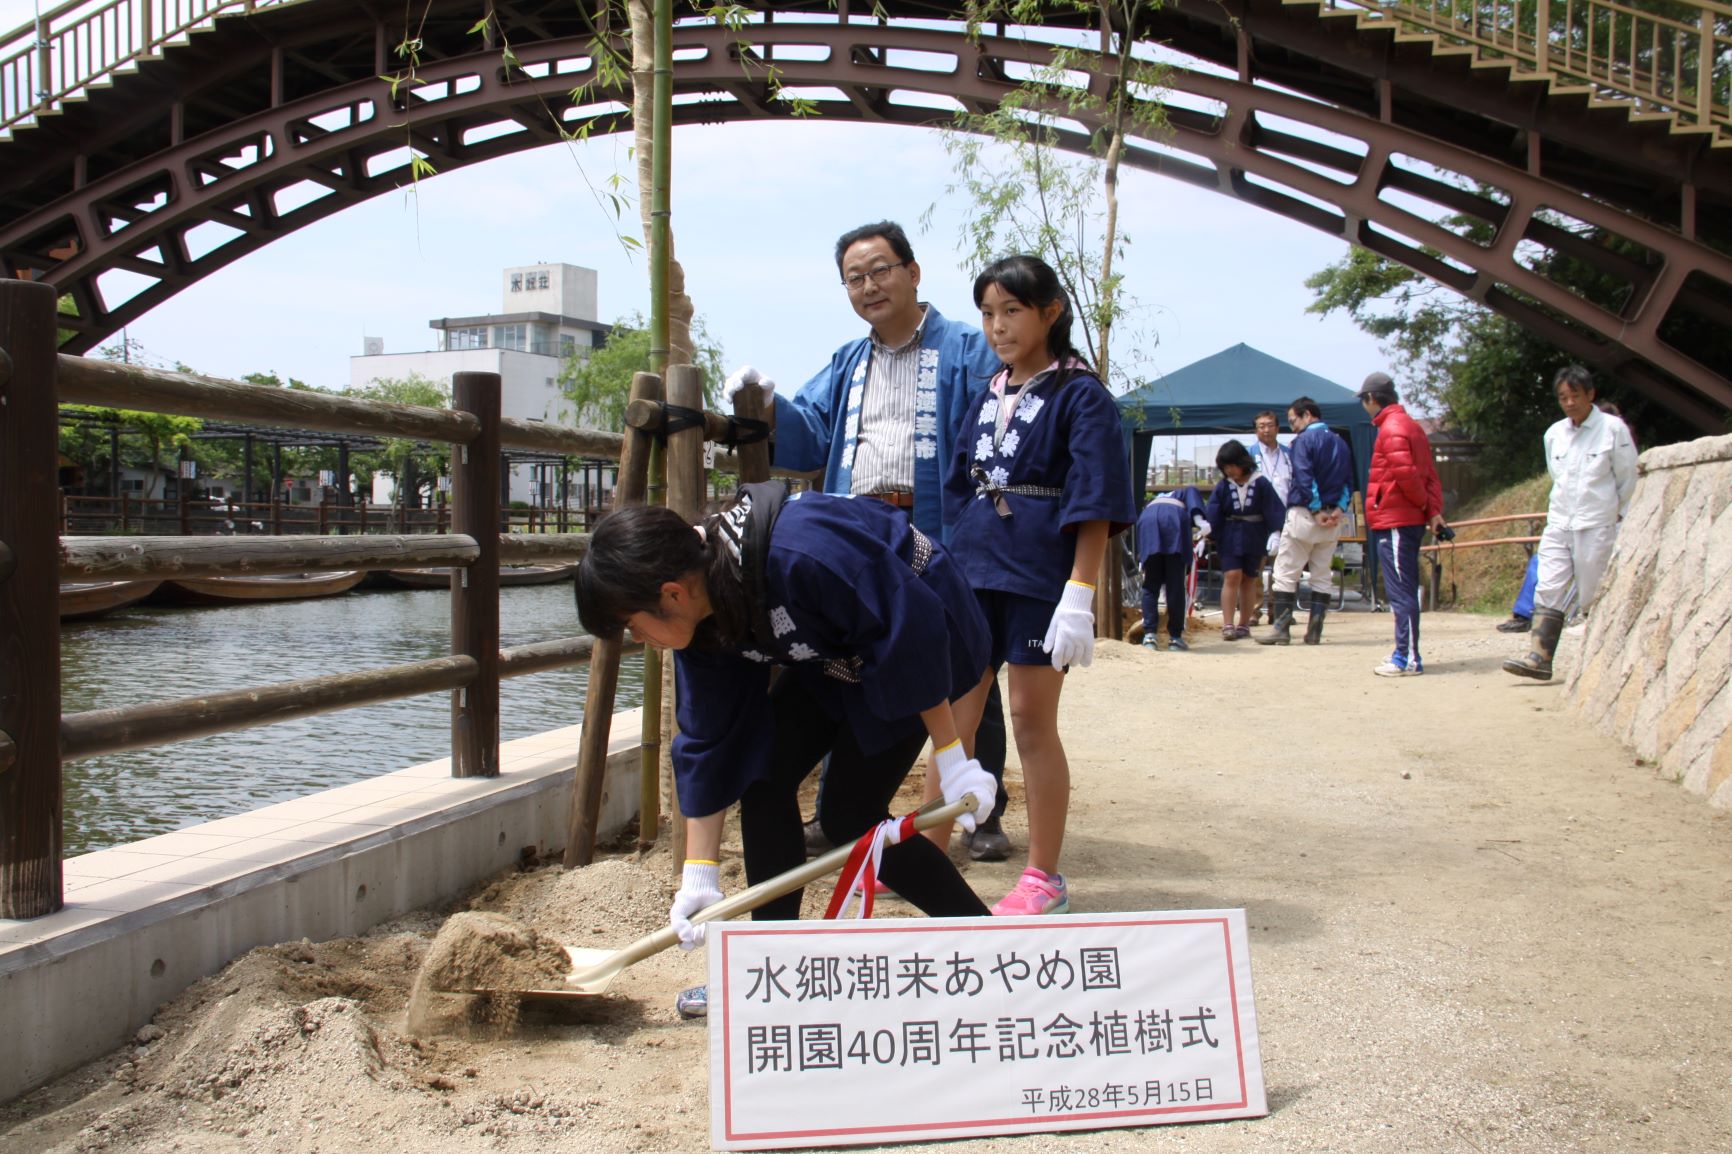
{"x": 1548, "y": 623}
{"x": 1281, "y": 610}
{"x": 1319, "y": 610}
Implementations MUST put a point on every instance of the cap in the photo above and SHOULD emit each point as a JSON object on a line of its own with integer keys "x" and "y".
{"x": 1376, "y": 381}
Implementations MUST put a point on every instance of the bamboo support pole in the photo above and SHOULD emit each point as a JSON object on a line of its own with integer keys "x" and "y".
{"x": 685, "y": 457}
{"x": 475, "y": 477}
{"x": 630, "y": 489}
{"x": 31, "y": 828}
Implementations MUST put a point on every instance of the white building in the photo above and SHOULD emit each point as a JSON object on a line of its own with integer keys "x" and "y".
{"x": 548, "y": 312}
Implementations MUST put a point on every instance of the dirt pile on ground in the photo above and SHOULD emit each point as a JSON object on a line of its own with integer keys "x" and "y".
{"x": 473, "y": 967}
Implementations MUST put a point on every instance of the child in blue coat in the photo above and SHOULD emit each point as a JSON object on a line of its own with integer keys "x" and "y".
{"x": 1246, "y": 515}
{"x": 876, "y": 631}
{"x": 1166, "y": 532}
{"x": 1039, "y": 484}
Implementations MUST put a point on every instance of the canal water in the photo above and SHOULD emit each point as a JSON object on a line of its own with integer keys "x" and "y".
{"x": 148, "y": 654}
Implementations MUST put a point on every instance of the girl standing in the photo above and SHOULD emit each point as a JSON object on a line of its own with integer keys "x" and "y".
{"x": 1035, "y": 491}
{"x": 1247, "y": 515}
{"x": 877, "y": 632}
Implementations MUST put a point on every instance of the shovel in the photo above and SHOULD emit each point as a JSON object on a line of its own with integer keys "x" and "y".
{"x": 593, "y": 970}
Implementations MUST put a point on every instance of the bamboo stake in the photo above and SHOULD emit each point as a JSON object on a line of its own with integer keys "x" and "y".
{"x": 631, "y": 489}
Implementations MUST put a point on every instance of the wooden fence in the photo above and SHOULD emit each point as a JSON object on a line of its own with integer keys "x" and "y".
{"x": 35, "y": 738}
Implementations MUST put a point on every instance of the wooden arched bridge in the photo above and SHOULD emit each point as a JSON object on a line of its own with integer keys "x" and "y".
{"x": 1476, "y": 142}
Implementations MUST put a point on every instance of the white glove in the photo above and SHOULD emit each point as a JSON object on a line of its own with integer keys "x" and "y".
{"x": 960, "y": 775}
{"x": 743, "y": 376}
{"x": 1199, "y": 528}
{"x": 1272, "y": 544}
{"x": 699, "y": 888}
{"x": 1070, "y": 637}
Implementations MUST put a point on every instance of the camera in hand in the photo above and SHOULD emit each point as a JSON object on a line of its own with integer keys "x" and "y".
{"x": 1444, "y": 533}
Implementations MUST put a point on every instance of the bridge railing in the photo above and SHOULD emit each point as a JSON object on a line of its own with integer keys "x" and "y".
{"x": 1679, "y": 64}
{"x": 35, "y": 738}
{"x": 69, "y": 48}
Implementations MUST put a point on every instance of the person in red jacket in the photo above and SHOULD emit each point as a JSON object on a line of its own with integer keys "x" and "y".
{"x": 1403, "y": 499}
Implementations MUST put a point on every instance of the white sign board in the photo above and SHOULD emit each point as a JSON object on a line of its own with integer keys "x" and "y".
{"x": 916, "y": 1029}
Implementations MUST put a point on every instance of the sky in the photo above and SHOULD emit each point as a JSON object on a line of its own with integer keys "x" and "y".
{"x": 756, "y": 210}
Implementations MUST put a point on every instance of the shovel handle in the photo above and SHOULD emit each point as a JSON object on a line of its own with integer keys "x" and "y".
{"x": 931, "y": 814}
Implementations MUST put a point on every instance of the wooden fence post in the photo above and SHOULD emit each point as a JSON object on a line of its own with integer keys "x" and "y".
{"x": 630, "y": 489}
{"x": 31, "y": 831}
{"x": 475, "y": 590}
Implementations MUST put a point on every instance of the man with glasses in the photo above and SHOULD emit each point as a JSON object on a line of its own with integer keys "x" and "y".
{"x": 1276, "y": 463}
{"x": 882, "y": 419}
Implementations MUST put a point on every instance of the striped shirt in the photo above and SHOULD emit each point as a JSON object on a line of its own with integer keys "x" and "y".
{"x": 884, "y": 448}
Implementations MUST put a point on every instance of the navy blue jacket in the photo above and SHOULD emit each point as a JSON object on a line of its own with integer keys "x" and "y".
{"x": 1322, "y": 469}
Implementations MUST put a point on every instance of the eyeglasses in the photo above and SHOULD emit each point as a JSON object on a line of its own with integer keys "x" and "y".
{"x": 854, "y": 282}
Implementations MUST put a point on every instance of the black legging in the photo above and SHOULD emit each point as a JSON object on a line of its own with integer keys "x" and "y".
{"x": 857, "y": 793}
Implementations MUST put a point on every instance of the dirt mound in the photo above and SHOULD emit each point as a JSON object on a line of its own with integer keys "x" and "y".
{"x": 488, "y": 952}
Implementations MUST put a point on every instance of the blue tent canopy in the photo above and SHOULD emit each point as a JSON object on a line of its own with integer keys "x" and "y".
{"x": 1225, "y": 392}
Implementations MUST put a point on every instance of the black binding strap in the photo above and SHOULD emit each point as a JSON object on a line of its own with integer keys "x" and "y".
{"x": 767, "y": 498}
{"x": 745, "y": 431}
{"x": 678, "y": 418}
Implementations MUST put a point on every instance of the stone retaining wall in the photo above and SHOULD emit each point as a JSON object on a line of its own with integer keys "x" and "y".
{"x": 1658, "y": 648}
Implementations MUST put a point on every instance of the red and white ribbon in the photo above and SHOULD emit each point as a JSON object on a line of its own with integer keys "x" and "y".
{"x": 860, "y": 873}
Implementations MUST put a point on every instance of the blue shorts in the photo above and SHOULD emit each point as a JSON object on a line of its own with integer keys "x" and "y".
{"x": 1249, "y": 565}
{"x": 1018, "y": 626}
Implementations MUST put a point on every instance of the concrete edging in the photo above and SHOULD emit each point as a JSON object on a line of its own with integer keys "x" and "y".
{"x": 144, "y": 921}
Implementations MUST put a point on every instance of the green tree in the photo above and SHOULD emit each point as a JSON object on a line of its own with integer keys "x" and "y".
{"x": 416, "y": 465}
{"x": 1029, "y": 197}
{"x": 598, "y": 385}
{"x": 1480, "y": 370}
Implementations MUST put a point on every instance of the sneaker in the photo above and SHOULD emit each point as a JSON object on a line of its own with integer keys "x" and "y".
{"x": 1151, "y": 644}
{"x": 693, "y": 1003}
{"x": 1515, "y": 624}
{"x": 1398, "y": 666}
{"x": 1177, "y": 645}
{"x": 816, "y": 842}
{"x": 1035, "y": 893}
{"x": 987, "y": 842}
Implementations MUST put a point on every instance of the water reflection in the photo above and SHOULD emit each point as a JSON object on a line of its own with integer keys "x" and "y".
{"x": 147, "y": 654}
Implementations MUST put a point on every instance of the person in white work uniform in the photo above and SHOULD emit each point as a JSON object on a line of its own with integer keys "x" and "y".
{"x": 1592, "y": 460}
{"x": 1275, "y": 463}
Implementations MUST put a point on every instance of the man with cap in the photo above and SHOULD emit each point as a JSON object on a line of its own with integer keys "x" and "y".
{"x": 1402, "y": 500}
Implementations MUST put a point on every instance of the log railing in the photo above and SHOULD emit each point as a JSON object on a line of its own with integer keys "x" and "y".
{"x": 35, "y": 739}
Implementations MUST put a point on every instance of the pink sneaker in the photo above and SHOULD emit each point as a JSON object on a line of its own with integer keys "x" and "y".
{"x": 1035, "y": 893}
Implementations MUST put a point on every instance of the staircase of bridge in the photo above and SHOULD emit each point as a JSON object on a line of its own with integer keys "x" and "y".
{"x": 167, "y": 138}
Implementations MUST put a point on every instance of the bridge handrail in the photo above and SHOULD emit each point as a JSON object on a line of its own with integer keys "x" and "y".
{"x": 1627, "y": 52}
{"x": 80, "y": 43}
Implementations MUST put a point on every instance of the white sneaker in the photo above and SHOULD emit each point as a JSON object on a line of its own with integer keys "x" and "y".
{"x": 1393, "y": 668}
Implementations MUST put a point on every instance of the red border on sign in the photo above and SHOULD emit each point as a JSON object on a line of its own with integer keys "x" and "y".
{"x": 1070, "y": 921}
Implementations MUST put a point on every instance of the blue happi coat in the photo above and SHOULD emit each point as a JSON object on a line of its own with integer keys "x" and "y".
{"x": 1164, "y": 526}
{"x": 1241, "y": 524}
{"x": 1063, "y": 436}
{"x": 876, "y": 642}
{"x": 817, "y": 429}
{"x": 1322, "y": 469}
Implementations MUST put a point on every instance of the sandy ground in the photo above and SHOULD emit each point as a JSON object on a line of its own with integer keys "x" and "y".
{"x": 1475, "y": 926}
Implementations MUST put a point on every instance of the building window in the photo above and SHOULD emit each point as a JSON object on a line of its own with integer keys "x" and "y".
{"x": 475, "y": 338}
{"x": 510, "y": 337}
{"x": 567, "y": 344}
{"x": 516, "y": 282}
